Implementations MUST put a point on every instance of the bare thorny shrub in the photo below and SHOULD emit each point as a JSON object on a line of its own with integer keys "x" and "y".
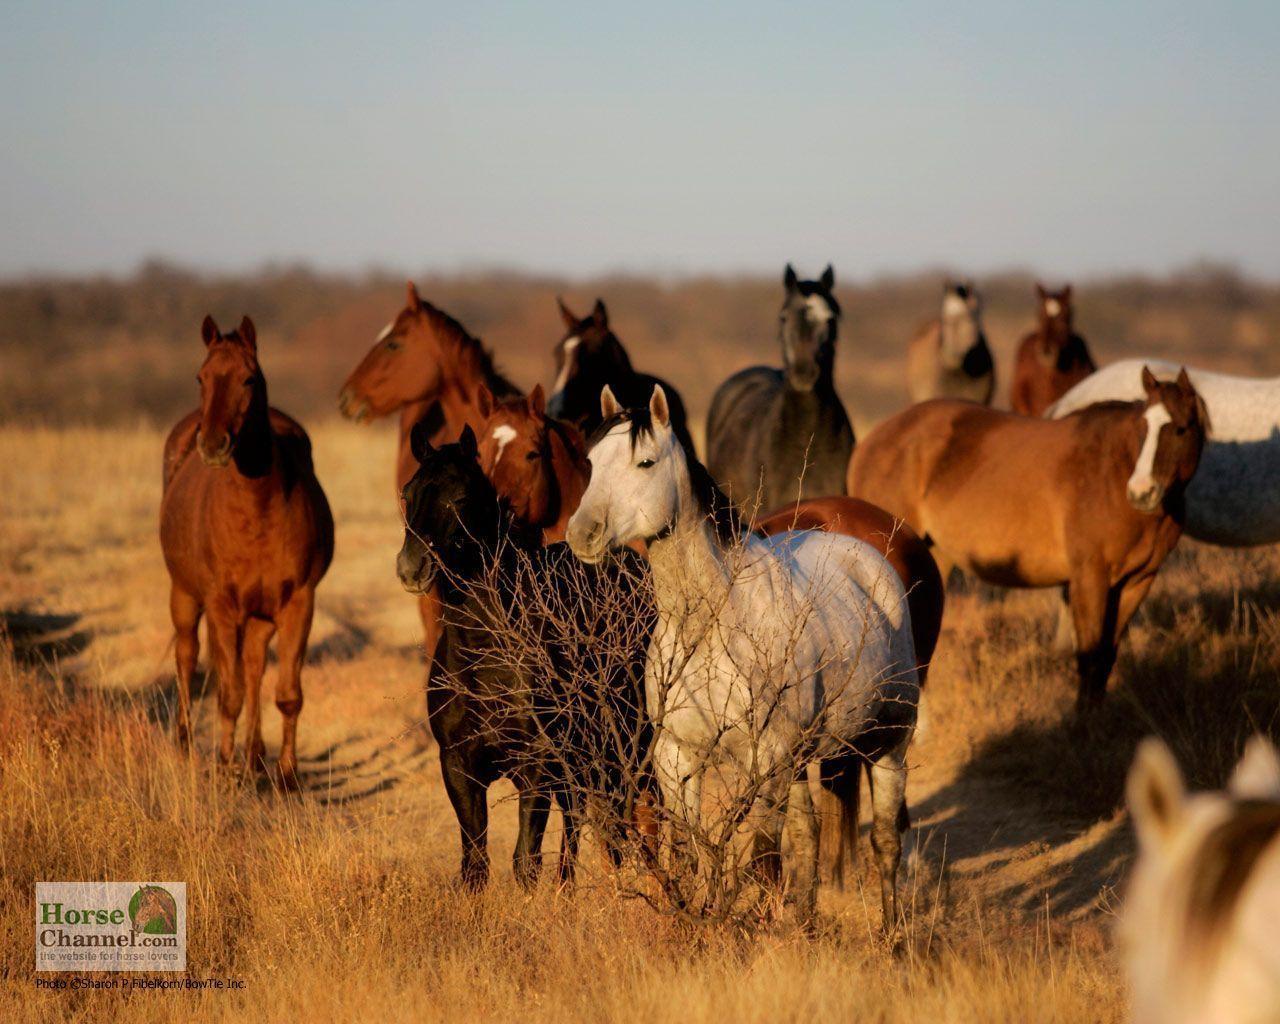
{"x": 576, "y": 637}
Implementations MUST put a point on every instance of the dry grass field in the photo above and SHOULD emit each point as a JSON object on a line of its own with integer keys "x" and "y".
{"x": 341, "y": 904}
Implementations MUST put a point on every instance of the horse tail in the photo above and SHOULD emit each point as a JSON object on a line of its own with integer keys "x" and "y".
{"x": 841, "y": 784}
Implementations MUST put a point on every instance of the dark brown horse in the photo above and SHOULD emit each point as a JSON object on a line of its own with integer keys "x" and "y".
{"x": 1093, "y": 502}
{"x": 1052, "y": 359}
{"x": 909, "y": 555}
{"x": 247, "y": 535}
{"x": 426, "y": 366}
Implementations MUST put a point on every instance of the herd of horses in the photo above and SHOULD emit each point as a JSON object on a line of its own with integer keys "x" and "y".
{"x": 794, "y": 584}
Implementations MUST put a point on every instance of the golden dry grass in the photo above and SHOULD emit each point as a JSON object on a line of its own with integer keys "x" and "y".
{"x": 341, "y": 904}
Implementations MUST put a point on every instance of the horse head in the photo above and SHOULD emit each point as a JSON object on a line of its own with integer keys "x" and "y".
{"x": 1175, "y": 424}
{"x": 588, "y": 356}
{"x": 452, "y": 514}
{"x": 516, "y": 454}
{"x": 961, "y": 321}
{"x": 231, "y": 387}
{"x": 807, "y": 327}
{"x": 403, "y": 366}
{"x": 1055, "y": 315}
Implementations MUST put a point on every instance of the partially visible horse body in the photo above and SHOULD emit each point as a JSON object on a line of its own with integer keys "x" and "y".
{"x": 769, "y": 654}
{"x": 247, "y": 535}
{"x": 949, "y": 357}
{"x": 1093, "y": 502}
{"x": 426, "y": 366}
{"x": 590, "y": 357}
{"x": 495, "y": 715}
{"x": 1234, "y": 498}
{"x": 1051, "y": 359}
{"x": 778, "y": 435}
{"x": 1198, "y": 928}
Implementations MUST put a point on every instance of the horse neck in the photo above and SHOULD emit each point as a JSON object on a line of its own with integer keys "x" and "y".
{"x": 464, "y": 366}
{"x": 571, "y": 472}
{"x": 692, "y": 572}
{"x": 254, "y": 452}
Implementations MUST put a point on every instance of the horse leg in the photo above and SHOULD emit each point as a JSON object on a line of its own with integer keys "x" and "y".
{"x": 1132, "y": 594}
{"x": 1093, "y": 608}
{"x": 185, "y": 611}
{"x": 469, "y": 799}
{"x": 839, "y": 779}
{"x": 680, "y": 779}
{"x": 803, "y": 832}
{"x": 535, "y": 804}
{"x": 889, "y": 819}
{"x": 571, "y": 811}
{"x": 224, "y": 645}
{"x": 253, "y": 662}
{"x": 294, "y": 623}
{"x": 1064, "y": 636}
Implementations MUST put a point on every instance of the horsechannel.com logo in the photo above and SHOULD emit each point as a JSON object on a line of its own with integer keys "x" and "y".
{"x": 111, "y": 926}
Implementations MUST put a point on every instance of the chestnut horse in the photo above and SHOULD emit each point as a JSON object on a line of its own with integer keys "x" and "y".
{"x": 247, "y": 535}
{"x": 426, "y": 366}
{"x": 1052, "y": 359}
{"x": 1093, "y": 502}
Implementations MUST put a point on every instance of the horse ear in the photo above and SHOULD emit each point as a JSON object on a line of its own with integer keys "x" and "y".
{"x": 600, "y": 315}
{"x": 658, "y": 407}
{"x": 209, "y": 331}
{"x": 1155, "y": 793}
{"x": 1042, "y": 293}
{"x": 1257, "y": 776}
{"x": 467, "y": 439}
{"x": 1066, "y": 294}
{"x": 484, "y": 401}
{"x": 789, "y": 279}
{"x": 609, "y": 406}
{"x": 420, "y": 441}
{"x": 249, "y": 334}
{"x": 569, "y": 318}
{"x": 412, "y": 301}
{"x": 1149, "y": 383}
{"x": 537, "y": 401}
{"x": 1184, "y": 382}
{"x": 828, "y": 279}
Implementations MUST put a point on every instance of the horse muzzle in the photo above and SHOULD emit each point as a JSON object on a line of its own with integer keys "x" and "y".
{"x": 219, "y": 457}
{"x": 353, "y": 407}
{"x": 1146, "y": 500}
{"x": 803, "y": 376}
{"x": 586, "y": 539}
{"x": 416, "y": 568}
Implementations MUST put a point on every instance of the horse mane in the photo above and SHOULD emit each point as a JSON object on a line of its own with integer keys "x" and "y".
{"x": 713, "y": 503}
{"x": 471, "y": 351}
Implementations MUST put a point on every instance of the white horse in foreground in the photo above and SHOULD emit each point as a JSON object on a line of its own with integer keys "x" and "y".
{"x": 1201, "y": 925}
{"x": 769, "y": 653}
{"x": 1234, "y": 498}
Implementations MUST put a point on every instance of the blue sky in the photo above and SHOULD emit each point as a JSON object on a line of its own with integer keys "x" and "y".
{"x": 588, "y": 137}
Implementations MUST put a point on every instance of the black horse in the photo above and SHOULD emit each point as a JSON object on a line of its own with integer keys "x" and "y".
{"x": 538, "y": 676}
{"x": 590, "y": 356}
{"x": 776, "y": 436}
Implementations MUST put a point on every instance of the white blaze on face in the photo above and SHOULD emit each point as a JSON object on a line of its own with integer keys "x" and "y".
{"x": 954, "y": 306}
{"x": 384, "y": 333}
{"x": 504, "y": 435}
{"x": 1143, "y": 488}
{"x": 566, "y": 364}
{"x": 1052, "y": 307}
{"x": 818, "y": 310}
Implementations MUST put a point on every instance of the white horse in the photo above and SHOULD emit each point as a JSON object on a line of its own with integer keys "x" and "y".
{"x": 1234, "y": 498}
{"x": 769, "y": 654}
{"x": 1200, "y": 922}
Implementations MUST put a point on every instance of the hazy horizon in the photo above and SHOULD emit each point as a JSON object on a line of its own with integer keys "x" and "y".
{"x": 679, "y": 140}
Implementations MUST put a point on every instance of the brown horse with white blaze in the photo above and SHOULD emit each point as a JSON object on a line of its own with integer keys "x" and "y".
{"x": 247, "y": 536}
{"x": 1052, "y": 359}
{"x": 1093, "y": 502}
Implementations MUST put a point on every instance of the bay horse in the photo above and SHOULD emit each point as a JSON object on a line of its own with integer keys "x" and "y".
{"x": 949, "y": 356}
{"x": 590, "y": 356}
{"x": 425, "y": 365}
{"x": 495, "y": 715}
{"x": 769, "y": 653}
{"x": 247, "y": 536}
{"x": 1234, "y": 498}
{"x": 1198, "y": 928}
{"x": 1051, "y": 359}
{"x": 776, "y": 435}
{"x": 1093, "y": 502}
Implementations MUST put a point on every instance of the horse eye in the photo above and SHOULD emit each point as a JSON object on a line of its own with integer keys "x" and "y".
{"x": 532, "y": 456}
{"x": 645, "y": 464}
{"x": 248, "y": 382}
{"x": 392, "y": 344}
